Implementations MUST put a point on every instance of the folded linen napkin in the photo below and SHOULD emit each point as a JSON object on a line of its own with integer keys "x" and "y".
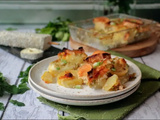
{"x": 119, "y": 109}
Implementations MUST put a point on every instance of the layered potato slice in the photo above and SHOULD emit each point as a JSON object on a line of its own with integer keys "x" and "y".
{"x": 121, "y": 69}
{"x": 58, "y": 66}
{"x": 73, "y": 56}
{"x": 67, "y": 60}
{"x": 47, "y": 77}
{"x": 112, "y": 83}
{"x": 69, "y": 79}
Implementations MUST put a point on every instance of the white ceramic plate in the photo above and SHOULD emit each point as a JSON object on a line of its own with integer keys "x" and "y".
{"x": 82, "y": 102}
{"x": 86, "y": 93}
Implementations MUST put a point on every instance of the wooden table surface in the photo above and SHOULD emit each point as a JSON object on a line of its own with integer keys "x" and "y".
{"x": 11, "y": 66}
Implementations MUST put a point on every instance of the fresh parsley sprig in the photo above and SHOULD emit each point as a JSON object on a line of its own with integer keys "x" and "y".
{"x": 13, "y": 89}
{"x": 57, "y": 28}
{"x": 24, "y": 75}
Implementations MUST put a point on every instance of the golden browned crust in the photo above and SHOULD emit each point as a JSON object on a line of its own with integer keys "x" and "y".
{"x": 67, "y": 75}
{"x": 97, "y": 72}
{"x": 98, "y": 57}
{"x": 101, "y": 19}
{"x": 65, "y": 52}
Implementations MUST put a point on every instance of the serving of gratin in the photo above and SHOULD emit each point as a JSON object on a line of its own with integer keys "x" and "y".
{"x": 75, "y": 69}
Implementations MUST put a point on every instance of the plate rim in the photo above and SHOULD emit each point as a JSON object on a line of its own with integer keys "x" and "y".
{"x": 86, "y": 102}
{"x": 58, "y": 94}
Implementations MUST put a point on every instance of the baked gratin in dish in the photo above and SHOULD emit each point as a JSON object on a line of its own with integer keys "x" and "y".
{"x": 110, "y": 31}
{"x": 75, "y": 69}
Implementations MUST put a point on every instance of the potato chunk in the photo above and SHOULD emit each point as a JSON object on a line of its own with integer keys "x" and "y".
{"x": 67, "y": 60}
{"x": 72, "y": 56}
{"x": 69, "y": 79}
{"x": 111, "y": 83}
{"x": 120, "y": 67}
{"x": 47, "y": 77}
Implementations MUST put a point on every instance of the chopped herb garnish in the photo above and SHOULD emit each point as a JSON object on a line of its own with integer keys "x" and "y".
{"x": 58, "y": 68}
{"x": 113, "y": 69}
{"x": 63, "y": 61}
{"x": 1, "y": 106}
{"x": 17, "y": 103}
{"x": 78, "y": 87}
{"x": 96, "y": 64}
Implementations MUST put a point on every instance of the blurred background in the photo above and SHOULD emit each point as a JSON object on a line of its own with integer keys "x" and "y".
{"x": 43, "y": 11}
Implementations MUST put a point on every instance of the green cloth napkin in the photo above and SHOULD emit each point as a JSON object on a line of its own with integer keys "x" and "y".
{"x": 117, "y": 110}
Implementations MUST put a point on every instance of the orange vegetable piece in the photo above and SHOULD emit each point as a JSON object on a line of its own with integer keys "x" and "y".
{"x": 84, "y": 69}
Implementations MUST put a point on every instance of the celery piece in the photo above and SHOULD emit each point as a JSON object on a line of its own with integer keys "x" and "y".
{"x": 78, "y": 87}
{"x": 96, "y": 64}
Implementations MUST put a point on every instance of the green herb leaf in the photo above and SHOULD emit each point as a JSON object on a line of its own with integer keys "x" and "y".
{"x": 113, "y": 69}
{"x": 22, "y": 88}
{"x": 58, "y": 28}
{"x": 13, "y": 89}
{"x": 65, "y": 37}
{"x": 59, "y": 35}
{"x": 58, "y": 68}
{"x": 11, "y": 29}
{"x": 24, "y": 80}
{"x": 47, "y": 30}
{"x": 2, "y": 84}
{"x": 1, "y": 106}
{"x": 63, "y": 61}
{"x": 25, "y": 73}
{"x": 17, "y": 103}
